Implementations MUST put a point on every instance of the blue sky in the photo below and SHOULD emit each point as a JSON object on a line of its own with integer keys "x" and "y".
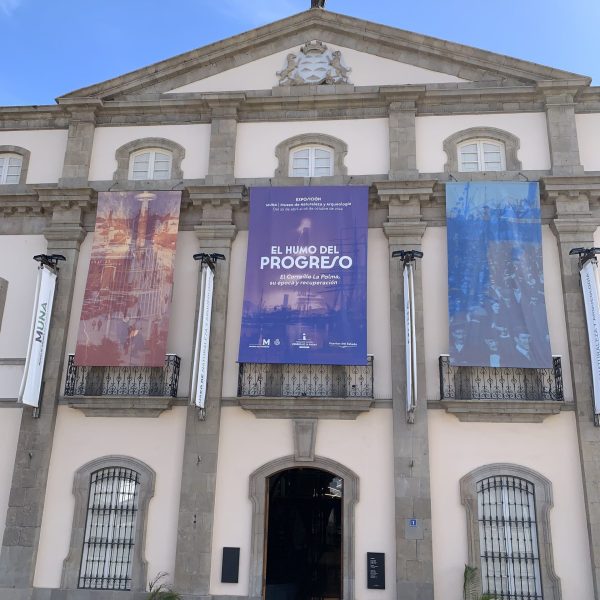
{"x": 51, "y": 47}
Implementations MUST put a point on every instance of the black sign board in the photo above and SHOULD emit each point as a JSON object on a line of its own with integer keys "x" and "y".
{"x": 376, "y": 570}
{"x": 231, "y": 565}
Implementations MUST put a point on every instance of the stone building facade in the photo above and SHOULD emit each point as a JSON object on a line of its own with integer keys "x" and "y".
{"x": 392, "y": 111}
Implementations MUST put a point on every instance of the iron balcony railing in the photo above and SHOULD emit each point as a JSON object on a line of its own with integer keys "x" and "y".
{"x": 500, "y": 383}
{"x": 123, "y": 381}
{"x": 312, "y": 381}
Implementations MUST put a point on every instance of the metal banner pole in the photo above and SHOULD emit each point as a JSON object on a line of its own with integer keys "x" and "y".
{"x": 408, "y": 258}
{"x": 588, "y": 271}
{"x": 202, "y": 344}
{"x": 31, "y": 387}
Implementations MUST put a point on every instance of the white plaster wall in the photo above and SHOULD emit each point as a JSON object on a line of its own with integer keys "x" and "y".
{"x": 367, "y": 69}
{"x": 21, "y": 273}
{"x": 47, "y": 147}
{"x": 10, "y": 422}
{"x": 247, "y": 443}
{"x": 79, "y": 439}
{"x": 435, "y": 306}
{"x": 367, "y": 139}
{"x": 530, "y": 128}
{"x": 194, "y": 138}
{"x": 378, "y": 313}
{"x": 183, "y": 306}
{"x": 550, "y": 448}
{"x": 10, "y": 379}
{"x": 588, "y": 135}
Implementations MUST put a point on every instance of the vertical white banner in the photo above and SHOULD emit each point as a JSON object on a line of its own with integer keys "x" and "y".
{"x": 410, "y": 341}
{"x": 589, "y": 284}
{"x": 199, "y": 375}
{"x": 31, "y": 384}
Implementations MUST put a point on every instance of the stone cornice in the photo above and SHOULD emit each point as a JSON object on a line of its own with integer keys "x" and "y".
{"x": 395, "y": 192}
{"x": 65, "y": 198}
{"x": 81, "y": 109}
{"x": 217, "y": 195}
{"x": 585, "y": 184}
{"x": 301, "y": 102}
{"x": 20, "y": 203}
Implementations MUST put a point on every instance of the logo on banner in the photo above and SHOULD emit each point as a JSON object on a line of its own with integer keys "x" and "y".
{"x": 40, "y": 332}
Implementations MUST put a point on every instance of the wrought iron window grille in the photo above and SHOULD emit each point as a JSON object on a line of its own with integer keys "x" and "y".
{"x": 500, "y": 383}
{"x": 510, "y": 561}
{"x": 309, "y": 381}
{"x": 106, "y": 561}
{"x": 123, "y": 381}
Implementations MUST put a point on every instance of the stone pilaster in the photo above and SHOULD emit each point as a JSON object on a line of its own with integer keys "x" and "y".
{"x": 223, "y": 134}
{"x": 199, "y": 472}
{"x": 562, "y": 130}
{"x": 26, "y": 503}
{"x": 76, "y": 167}
{"x": 414, "y": 563}
{"x": 403, "y": 140}
{"x": 575, "y": 227}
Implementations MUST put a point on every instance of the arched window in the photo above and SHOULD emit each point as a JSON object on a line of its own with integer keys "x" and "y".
{"x": 480, "y": 150}
{"x": 109, "y": 525}
{"x": 481, "y": 155}
{"x": 311, "y": 155}
{"x": 509, "y": 552}
{"x": 150, "y": 164}
{"x": 509, "y": 532}
{"x": 311, "y": 161}
{"x": 110, "y": 529}
{"x": 149, "y": 159}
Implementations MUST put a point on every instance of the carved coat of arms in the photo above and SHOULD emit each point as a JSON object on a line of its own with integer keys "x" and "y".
{"x": 314, "y": 65}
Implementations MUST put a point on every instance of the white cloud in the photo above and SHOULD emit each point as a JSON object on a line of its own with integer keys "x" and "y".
{"x": 8, "y": 6}
{"x": 257, "y": 12}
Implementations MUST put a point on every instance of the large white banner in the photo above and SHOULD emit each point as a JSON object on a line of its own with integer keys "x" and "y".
{"x": 410, "y": 340}
{"x": 31, "y": 384}
{"x": 200, "y": 371}
{"x": 589, "y": 284}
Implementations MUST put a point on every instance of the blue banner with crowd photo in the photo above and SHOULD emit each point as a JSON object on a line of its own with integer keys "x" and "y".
{"x": 495, "y": 277}
{"x": 305, "y": 296}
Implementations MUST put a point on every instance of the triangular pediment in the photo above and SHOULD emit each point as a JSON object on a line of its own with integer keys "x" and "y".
{"x": 364, "y": 69}
{"x": 377, "y": 55}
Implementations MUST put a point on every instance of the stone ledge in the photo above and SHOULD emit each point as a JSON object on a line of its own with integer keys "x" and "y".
{"x": 121, "y": 406}
{"x": 500, "y": 411}
{"x": 306, "y": 408}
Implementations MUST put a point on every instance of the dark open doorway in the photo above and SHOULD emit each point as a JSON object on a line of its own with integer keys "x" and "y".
{"x": 304, "y": 535}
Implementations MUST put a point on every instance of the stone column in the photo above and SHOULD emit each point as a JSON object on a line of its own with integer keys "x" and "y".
{"x": 76, "y": 167}
{"x": 223, "y": 134}
{"x": 575, "y": 227}
{"x": 199, "y": 472}
{"x": 562, "y": 130}
{"x": 26, "y": 503}
{"x": 414, "y": 563}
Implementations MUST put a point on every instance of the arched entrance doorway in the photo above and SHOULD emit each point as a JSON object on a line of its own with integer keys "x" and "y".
{"x": 304, "y": 535}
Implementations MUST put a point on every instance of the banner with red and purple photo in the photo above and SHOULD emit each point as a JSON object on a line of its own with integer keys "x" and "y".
{"x": 127, "y": 302}
{"x": 305, "y": 297}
